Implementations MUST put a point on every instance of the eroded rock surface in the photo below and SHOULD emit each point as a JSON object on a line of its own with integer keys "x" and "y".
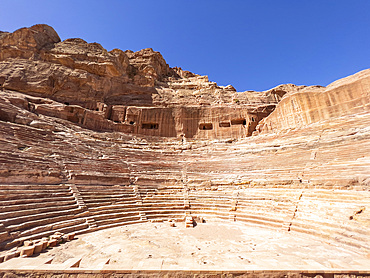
{"x": 132, "y": 92}
{"x": 91, "y": 139}
{"x": 342, "y": 98}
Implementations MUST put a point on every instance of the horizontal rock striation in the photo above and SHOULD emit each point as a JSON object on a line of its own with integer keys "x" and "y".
{"x": 91, "y": 139}
{"x": 342, "y": 98}
{"x": 131, "y": 92}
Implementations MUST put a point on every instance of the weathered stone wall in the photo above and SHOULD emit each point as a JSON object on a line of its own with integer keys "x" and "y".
{"x": 86, "y": 84}
{"x": 188, "y": 121}
{"x": 75, "y": 273}
{"x": 72, "y": 112}
{"x": 348, "y": 96}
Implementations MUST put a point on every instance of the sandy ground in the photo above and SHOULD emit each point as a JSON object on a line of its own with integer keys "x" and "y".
{"x": 213, "y": 245}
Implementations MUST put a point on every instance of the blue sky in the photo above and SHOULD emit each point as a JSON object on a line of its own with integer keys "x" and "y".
{"x": 253, "y": 45}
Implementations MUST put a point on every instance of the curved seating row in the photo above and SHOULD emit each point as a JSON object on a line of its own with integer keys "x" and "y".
{"x": 34, "y": 211}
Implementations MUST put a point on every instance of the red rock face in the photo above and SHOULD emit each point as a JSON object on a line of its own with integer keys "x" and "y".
{"x": 105, "y": 87}
{"x": 348, "y": 96}
{"x": 78, "y": 122}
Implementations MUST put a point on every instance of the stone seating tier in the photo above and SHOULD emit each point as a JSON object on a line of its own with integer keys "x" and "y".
{"x": 32, "y": 211}
{"x": 160, "y": 203}
{"x": 290, "y": 210}
{"x": 26, "y": 222}
{"x": 27, "y": 204}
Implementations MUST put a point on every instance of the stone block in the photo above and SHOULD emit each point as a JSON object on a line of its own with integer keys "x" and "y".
{"x": 27, "y": 251}
{"x": 9, "y": 256}
{"x": 38, "y": 247}
{"x": 28, "y": 243}
{"x": 44, "y": 244}
{"x": 52, "y": 242}
{"x": 58, "y": 238}
{"x": 71, "y": 236}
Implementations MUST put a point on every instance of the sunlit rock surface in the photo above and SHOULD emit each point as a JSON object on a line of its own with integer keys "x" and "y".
{"x": 91, "y": 139}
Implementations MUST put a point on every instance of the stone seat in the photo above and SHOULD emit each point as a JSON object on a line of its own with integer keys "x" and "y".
{"x": 162, "y": 192}
{"x": 123, "y": 220}
{"x": 318, "y": 231}
{"x": 33, "y": 188}
{"x": 36, "y": 196}
{"x": 179, "y": 203}
{"x": 153, "y": 199}
{"x": 265, "y": 206}
{"x": 106, "y": 193}
{"x": 28, "y": 212}
{"x": 209, "y": 205}
{"x": 336, "y": 195}
{"x": 112, "y": 211}
{"x": 211, "y": 198}
{"x": 212, "y": 194}
{"x": 93, "y": 204}
{"x": 104, "y": 189}
{"x": 113, "y": 215}
{"x": 15, "y": 205}
{"x": 68, "y": 227}
{"x": 167, "y": 193}
{"x": 51, "y": 227}
{"x": 118, "y": 195}
{"x": 170, "y": 187}
{"x": 214, "y": 200}
{"x": 113, "y": 198}
{"x": 47, "y": 230}
{"x": 269, "y": 198}
{"x": 210, "y": 213}
{"x": 162, "y": 218}
{"x": 345, "y": 225}
{"x": 115, "y": 206}
{"x": 260, "y": 220}
{"x": 98, "y": 168}
{"x": 165, "y": 214}
{"x": 108, "y": 202}
{"x": 148, "y": 187}
{"x": 26, "y": 222}
{"x": 147, "y": 191}
{"x": 35, "y": 210}
{"x": 87, "y": 189}
{"x": 268, "y": 214}
{"x": 334, "y": 227}
{"x": 107, "y": 224}
{"x": 162, "y": 204}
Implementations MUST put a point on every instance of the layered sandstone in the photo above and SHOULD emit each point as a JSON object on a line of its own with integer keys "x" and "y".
{"x": 132, "y": 92}
{"x": 342, "y": 98}
{"x": 91, "y": 139}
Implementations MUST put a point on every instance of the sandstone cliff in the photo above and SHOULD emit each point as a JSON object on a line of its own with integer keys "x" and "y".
{"x": 81, "y": 124}
{"x": 132, "y": 92}
{"x": 342, "y": 98}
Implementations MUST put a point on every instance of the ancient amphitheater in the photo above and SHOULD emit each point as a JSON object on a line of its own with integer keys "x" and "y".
{"x": 107, "y": 157}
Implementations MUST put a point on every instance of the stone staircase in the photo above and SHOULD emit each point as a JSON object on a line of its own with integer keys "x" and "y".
{"x": 111, "y": 206}
{"x": 89, "y": 219}
{"x": 209, "y": 203}
{"x": 140, "y": 204}
{"x": 35, "y": 211}
{"x": 163, "y": 203}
